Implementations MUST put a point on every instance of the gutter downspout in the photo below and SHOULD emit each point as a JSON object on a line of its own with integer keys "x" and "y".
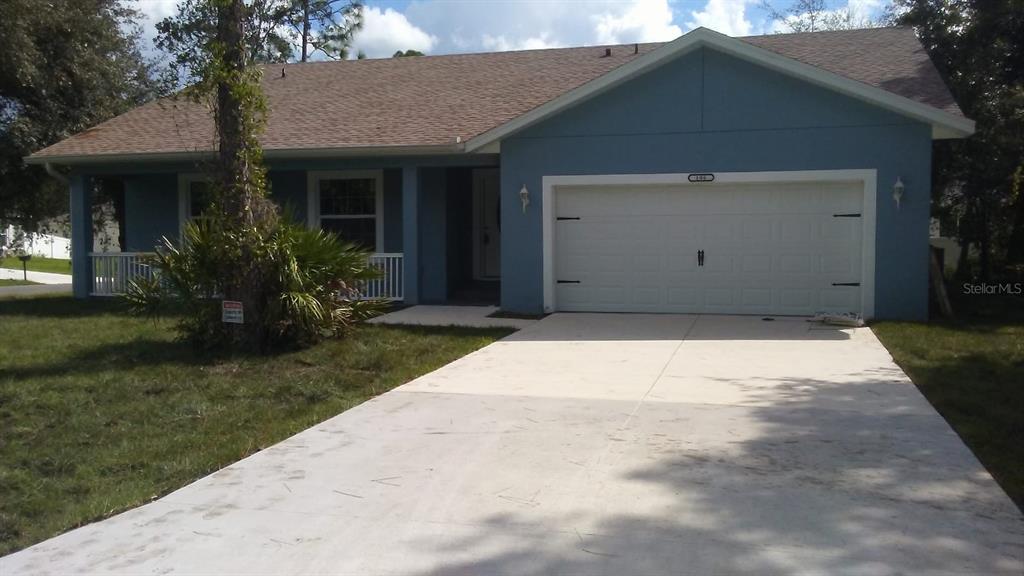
{"x": 56, "y": 174}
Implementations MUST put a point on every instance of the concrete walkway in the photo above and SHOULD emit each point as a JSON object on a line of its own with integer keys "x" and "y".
{"x": 37, "y": 277}
{"x": 596, "y": 444}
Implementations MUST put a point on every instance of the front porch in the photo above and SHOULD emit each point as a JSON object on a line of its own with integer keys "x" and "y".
{"x": 431, "y": 225}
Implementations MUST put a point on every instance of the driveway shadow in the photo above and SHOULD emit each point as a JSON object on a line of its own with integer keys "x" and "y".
{"x": 795, "y": 489}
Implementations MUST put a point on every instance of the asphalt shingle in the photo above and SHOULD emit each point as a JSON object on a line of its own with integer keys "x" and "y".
{"x": 435, "y": 100}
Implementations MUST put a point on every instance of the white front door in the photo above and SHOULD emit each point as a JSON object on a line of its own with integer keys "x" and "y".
{"x": 763, "y": 248}
{"x": 486, "y": 228}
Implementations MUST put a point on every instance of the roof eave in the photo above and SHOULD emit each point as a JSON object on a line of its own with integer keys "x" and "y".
{"x": 945, "y": 125}
{"x": 268, "y": 154}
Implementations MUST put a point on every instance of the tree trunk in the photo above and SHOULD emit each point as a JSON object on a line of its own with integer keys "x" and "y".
{"x": 938, "y": 281}
{"x": 1015, "y": 251}
{"x": 233, "y": 162}
{"x": 963, "y": 264}
{"x": 985, "y": 246}
{"x": 305, "y": 29}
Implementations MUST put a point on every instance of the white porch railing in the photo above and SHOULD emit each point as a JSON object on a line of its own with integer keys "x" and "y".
{"x": 112, "y": 273}
{"x": 390, "y": 286}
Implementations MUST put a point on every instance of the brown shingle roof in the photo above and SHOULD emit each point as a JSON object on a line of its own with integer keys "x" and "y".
{"x": 433, "y": 100}
{"x": 892, "y": 59}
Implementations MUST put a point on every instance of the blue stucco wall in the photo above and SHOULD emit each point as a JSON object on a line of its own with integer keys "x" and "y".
{"x": 710, "y": 112}
{"x": 151, "y": 210}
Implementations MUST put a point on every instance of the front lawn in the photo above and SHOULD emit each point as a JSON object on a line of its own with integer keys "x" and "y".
{"x": 100, "y": 411}
{"x": 7, "y": 282}
{"x": 38, "y": 264}
{"x": 972, "y": 371}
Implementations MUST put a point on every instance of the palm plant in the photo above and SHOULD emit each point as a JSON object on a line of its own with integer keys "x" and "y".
{"x": 297, "y": 285}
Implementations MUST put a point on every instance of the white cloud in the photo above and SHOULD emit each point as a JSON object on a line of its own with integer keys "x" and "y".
{"x": 387, "y": 31}
{"x": 726, "y": 16}
{"x": 503, "y": 44}
{"x": 644, "y": 21}
{"x": 864, "y": 8}
{"x": 516, "y": 25}
{"x": 153, "y": 11}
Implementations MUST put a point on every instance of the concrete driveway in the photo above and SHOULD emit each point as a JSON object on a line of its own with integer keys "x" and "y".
{"x": 596, "y": 444}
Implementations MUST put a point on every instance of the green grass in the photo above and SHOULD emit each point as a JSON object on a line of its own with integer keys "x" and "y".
{"x": 38, "y": 264}
{"x": 15, "y": 283}
{"x": 972, "y": 371}
{"x": 100, "y": 411}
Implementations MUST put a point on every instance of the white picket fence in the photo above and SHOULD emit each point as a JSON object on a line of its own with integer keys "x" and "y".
{"x": 113, "y": 272}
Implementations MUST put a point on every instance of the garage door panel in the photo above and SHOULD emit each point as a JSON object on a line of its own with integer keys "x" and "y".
{"x": 796, "y": 230}
{"x": 769, "y": 248}
{"x": 841, "y": 266}
{"x": 646, "y": 264}
{"x": 841, "y": 231}
{"x": 723, "y": 232}
{"x": 789, "y": 264}
{"x": 647, "y": 296}
{"x": 756, "y": 231}
{"x": 683, "y": 230}
{"x": 720, "y": 297}
{"x": 840, "y": 297}
{"x": 795, "y": 298}
{"x": 757, "y": 298}
{"x": 756, "y": 263}
{"x": 681, "y": 298}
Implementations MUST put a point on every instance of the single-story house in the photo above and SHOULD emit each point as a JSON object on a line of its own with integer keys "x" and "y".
{"x": 779, "y": 174}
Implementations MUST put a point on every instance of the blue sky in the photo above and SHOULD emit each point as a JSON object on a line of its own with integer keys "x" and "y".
{"x": 449, "y": 26}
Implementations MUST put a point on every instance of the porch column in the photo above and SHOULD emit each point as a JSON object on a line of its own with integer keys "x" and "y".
{"x": 411, "y": 233}
{"x": 81, "y": 235}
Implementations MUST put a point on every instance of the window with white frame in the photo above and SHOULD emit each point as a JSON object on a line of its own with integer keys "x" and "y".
{"x": 350, "y": 205}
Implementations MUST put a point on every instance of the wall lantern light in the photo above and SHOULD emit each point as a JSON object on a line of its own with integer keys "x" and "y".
{"x": 897, "y": 191}
{"x": 524, "y": 197}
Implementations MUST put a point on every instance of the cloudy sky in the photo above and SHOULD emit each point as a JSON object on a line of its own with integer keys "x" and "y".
{"x": 448, "y": 26}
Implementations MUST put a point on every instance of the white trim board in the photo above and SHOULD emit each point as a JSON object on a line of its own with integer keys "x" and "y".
{"x": 944, "y": 124}
{"x": 869, "y": 179}
{"x": 313, "y": 197}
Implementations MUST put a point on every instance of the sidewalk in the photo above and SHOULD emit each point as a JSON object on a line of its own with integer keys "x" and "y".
{"x": 35, "y": 290}
{"x": 37, "y": 277}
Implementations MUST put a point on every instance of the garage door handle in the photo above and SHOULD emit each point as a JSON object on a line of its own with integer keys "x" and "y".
{"x": 846, "y": 283}
{"x": 700, "y": 257}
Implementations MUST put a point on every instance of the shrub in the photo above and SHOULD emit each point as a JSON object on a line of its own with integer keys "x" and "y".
{"x": 297, "y": 285}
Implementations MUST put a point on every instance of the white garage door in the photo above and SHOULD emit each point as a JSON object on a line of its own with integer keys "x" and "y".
{"x": 711, "y": 248}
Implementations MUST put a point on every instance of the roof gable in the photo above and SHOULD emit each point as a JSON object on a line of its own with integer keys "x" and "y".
{"x": 945, "y": 124}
